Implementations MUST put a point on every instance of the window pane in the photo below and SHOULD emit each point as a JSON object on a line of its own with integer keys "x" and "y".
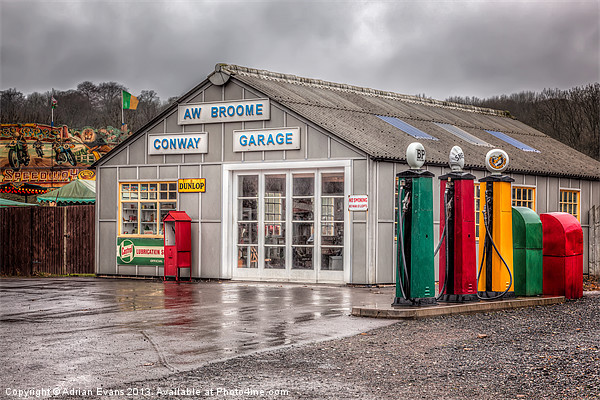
{"x": 332, "y": 259}
{"x": 172, "y": 186}
{"x": 302, "y": 258}
{"x": 332, "y": 184}
{"x": 303, "y": 233}
{"x": 129, "y": 213}
{"x": 332, "y": 233}
{"x": 275, "y": 233}
{"x": 163, "y": 186}
{"x": 274, "y": 257}
{"x": 248, "y": 186}
{"x": 304, "y": 184}
{"x": 275, "y": 185}
{"x": 248, "y": 210}
{"x": 302, "y": 209}
{"x": 247, "y": 233}
{"x": 247, "y": 257}
{"x": 274, "y": 209}
{"x": 172, "y": 195}
{"x": 332, "y": 209}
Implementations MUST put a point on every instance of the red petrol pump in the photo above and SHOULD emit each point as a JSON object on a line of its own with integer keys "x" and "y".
{"x": 178, "y": 243}
{"x": 495, "y": 276}
{"x": 457, "y": 260}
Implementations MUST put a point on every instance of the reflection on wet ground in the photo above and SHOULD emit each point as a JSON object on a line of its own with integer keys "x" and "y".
{"x": 76, "y": 332}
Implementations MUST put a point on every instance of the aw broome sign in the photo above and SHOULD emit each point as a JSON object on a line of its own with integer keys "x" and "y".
{"x": 266, "y": 139}
{"x": 178, "y": 143}
{"x": 224, "y": 111}
{"x": 140, "y": 251}
{"x": 191, "y": 185}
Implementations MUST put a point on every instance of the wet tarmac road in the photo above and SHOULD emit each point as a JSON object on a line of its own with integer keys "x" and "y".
{"x": 89, "y": 332}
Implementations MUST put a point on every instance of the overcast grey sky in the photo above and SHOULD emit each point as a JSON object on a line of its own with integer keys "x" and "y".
{"x": 439, "y": 48}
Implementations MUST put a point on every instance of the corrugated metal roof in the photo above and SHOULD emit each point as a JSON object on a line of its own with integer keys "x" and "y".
{"x": 350, "y": 113}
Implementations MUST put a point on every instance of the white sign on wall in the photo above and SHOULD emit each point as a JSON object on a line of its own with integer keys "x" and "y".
{"x": 178, "y": 143}
{"x": 358, "y": 202}
{"x": 266, "y": 139}
{"x": 224, "y": 111}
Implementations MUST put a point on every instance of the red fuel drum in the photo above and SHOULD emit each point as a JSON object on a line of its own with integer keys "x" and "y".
{"x": 463, "y": 269}
{"x": 563, "y": 255}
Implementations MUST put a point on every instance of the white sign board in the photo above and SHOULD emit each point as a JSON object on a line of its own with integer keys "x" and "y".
{"x": 178, "y": 143}
{"x": 266, "y": 139}
{"x": 358, "y": 202}
{"x": 224, "y": 111}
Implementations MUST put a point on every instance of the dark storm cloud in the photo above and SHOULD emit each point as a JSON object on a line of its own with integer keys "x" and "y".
{"x": 438, "y": 48}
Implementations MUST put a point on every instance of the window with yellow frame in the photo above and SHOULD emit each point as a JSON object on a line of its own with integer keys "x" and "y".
{"x": 523, "y": 196}
{"x": 143, "y": 205}
{"x": 569, "y": 202}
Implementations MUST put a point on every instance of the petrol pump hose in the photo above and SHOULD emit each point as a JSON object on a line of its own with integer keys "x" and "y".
{"x": 402, "y": 209}
{"x": 488, "y": 198}
{"x": 447, "y": 211}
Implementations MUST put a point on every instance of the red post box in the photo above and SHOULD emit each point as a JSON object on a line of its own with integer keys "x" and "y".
{"x": 178, "y": 243}
{"x": 563, "y": 255}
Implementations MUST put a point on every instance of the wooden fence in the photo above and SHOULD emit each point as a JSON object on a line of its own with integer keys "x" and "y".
{"x": 54, "y": 240}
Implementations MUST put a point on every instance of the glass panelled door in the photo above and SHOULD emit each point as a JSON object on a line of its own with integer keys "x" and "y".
{"x": 332, "y": 221}
{"x": 303, "y": 221}
{"x": 247, "y": 221}
{"x": 274, "y": 221}
{"x": 289, "y": 225}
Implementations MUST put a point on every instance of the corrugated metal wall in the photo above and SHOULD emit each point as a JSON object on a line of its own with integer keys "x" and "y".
{"x": 54, "y": 240}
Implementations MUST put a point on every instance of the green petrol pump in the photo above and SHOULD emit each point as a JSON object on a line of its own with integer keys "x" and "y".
{"x": 415, "y": 276}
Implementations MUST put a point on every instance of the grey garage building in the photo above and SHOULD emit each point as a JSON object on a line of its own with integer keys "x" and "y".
{"x": 280, "y": 156}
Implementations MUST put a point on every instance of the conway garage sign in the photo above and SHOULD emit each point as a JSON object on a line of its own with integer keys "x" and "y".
{"x": 224, "y": 111}
{"x": 178, "y": 143}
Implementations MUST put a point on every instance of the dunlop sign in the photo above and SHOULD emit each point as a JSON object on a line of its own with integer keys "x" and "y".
{"x": 192, "y": 185}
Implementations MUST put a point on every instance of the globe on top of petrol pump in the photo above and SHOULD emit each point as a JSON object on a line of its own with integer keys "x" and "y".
{"x": 415, "y": 155}
{"x": 496, "y": 161}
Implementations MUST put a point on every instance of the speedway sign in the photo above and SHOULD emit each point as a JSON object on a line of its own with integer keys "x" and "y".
{"x": 140, "y": 251}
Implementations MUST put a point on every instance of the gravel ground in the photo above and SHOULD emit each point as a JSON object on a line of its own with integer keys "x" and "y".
{"x": 549, "y": 352}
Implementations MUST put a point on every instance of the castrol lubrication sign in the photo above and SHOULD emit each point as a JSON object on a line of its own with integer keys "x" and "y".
{"x": 192, "y": 185}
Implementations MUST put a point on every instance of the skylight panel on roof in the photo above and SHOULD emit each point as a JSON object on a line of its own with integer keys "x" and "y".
{"x": 466, "y": 136}
{"x": 406, "y": 128}
{"x": 514, "y": 142}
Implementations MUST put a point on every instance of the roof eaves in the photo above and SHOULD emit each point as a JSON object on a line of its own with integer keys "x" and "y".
{"x": 293, "y": 79}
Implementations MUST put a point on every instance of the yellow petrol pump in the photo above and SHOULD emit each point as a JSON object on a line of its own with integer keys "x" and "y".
{"x": 495, "y": 277}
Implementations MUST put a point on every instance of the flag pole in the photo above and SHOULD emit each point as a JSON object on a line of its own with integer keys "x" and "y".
{"x": 122, "y": 112}
{"x": 52, "y": 107}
